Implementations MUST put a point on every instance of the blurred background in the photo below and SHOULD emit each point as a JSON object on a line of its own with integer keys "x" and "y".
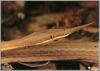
{"x": 20, "y": 18}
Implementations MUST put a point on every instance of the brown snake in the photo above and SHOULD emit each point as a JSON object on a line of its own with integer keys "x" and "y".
{"x": 40, "y": 37}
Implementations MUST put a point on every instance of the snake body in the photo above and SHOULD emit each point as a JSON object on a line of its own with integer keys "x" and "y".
{"x": 40, "y": 37}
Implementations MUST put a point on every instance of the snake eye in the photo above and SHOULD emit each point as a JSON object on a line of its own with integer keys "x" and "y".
{"x": 51, "y": 36}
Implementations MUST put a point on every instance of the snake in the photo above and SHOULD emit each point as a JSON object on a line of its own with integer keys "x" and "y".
{"x": 40, "y": 37}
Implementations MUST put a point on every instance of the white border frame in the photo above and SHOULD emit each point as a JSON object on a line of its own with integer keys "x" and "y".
{"x": 52, "y": 0}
